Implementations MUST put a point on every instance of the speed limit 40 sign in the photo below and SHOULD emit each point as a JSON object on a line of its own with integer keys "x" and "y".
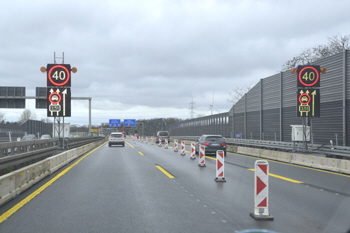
{"x": 308, "y": 76}
{"x": 58, "y": 75}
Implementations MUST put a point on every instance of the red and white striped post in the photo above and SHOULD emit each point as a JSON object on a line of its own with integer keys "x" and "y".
{"x": 261, "y": 191}
{"x": 183, "y": 148}
{"x": 193, "y": 151}
{"x": 166, "y": 144}
{"x": 220, "y": 161}
{"x": 159, "y": 142}
{"x": 176, "y": 149}
{"x": 201, "y": 156}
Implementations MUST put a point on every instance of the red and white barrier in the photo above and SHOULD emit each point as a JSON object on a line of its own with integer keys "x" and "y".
{"x": 176, "y": 149}
{"x": 159, "y": 142}
{"x": 193, "y": 151}
{"x": 220, "y": 161}
{"x": 261, "y": 191}
{"x": 183, "y": 148}
{"x": 201, "y": 156}
{"x": 166, "y": 144}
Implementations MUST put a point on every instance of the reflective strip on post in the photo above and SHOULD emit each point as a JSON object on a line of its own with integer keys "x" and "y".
{"x": 176, "y": 149}
{"x": 261, "y": 191}
{"x": 183, "y": 148}
{"x": 193, "y": 150}
{"x": 201, "y": 156}
{"x": 166, "y": 144}
{"x": 220, "y": 161}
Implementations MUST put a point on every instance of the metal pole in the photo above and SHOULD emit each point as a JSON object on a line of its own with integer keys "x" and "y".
{"x": 344, "y": 97}
{"x": 89, "y": 116}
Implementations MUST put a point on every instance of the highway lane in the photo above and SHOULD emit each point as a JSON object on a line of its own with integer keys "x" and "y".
{"x": 116, "y": 189}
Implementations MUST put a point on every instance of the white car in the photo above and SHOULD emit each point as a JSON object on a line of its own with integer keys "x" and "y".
{"x": 116, "y": 138}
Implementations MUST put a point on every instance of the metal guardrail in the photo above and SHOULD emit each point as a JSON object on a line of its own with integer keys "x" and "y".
{"x": 14, "y": 155}
{"x": 340, "y": 152}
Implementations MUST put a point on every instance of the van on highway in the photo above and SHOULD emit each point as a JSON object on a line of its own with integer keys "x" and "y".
{"x": 163, "y": 135}
{"x": 116, "y": 138}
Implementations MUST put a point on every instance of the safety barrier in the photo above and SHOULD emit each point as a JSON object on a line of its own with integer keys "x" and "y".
{"x": 193, "y": 150}
{"x": 261, "y": 191}
{"x": 176, "y": 149}
{"x": 201, "y": 156}
{"x": 331, "y": 164}
{"x": 183, "y": 148}
{"x": 14, "y": 183}
{"x": 220, "y": 169}
{"x": 166, "y": 143}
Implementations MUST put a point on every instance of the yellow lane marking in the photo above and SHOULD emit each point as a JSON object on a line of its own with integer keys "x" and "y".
{"x": 129, "y": 144}
{"x": 209, "y": 157}
{"x": 165, "y": 172}
{"x": 282, "y": 177}
{"x": 295, "y": 165}
{"x": 19, "y": 205}
{"x": 141, "y": 153}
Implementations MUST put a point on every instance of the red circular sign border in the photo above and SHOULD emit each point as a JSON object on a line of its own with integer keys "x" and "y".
{"x": 308, "y": 97}
{"x": 59, "y": 97}
{"x": 67, "y": 72}
{"x": 317, "y": 76}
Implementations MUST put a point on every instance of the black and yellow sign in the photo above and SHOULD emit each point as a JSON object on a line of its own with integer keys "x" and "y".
{"x": 308, "y": 76}
{"x": 308, "y": 104}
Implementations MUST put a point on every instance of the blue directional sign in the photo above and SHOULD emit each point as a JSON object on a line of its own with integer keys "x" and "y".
{"x": 129, "y": 122}
{"x": 114, "y": 122}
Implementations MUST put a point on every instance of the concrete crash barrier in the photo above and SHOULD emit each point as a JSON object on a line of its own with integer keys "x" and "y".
{"x": 330, "y": 164}
{"x": 344, "y": 166}
{"x": 14, "y": 183}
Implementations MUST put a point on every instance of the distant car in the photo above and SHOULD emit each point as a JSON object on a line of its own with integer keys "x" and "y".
{"x": 116, "y": 138}
{"x": 162, "y": 135}
{"x": 45, "y": 136}
{"x": 212, "y": 144}
{"x": 29, "y": 137}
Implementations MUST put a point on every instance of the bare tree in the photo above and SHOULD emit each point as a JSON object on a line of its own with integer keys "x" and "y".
{"x": 46, "y": 120}
{"x": 2, "y": 117}
{"x": 336, "y": 44}
{"x": 236, "y": 94}
{"x": 26, "y": 115}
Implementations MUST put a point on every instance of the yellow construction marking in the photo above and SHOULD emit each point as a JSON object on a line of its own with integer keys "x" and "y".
{"x": 282, "y": 177}
{"x": 141, "y": 153}
{"x": 129, "y": 144}
{"x": 209, "y": 157}
{"x": 165, "y": 172}
{"x": 19, "y": 205}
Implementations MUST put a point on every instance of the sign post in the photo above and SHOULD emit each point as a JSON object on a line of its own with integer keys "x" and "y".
{"x": 308, "y": 94}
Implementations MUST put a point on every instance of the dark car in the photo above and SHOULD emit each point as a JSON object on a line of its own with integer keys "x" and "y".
{"x": 212, "y": 143}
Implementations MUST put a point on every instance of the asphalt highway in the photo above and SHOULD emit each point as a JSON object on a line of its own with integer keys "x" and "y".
{"x": 147, "y": 188}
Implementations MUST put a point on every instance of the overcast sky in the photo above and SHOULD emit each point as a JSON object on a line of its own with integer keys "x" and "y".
{"x": 149, "y": 59}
